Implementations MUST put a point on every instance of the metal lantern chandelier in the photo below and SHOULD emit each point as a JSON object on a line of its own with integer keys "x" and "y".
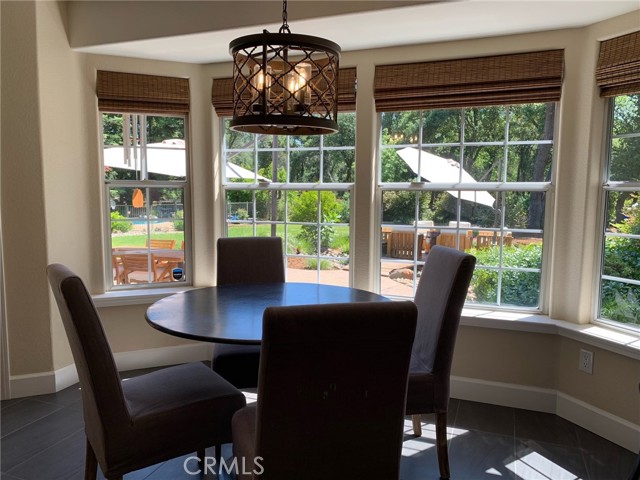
{"x": 284, "y": 83}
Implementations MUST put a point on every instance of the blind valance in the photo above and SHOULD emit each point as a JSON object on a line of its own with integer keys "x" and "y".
{"x": 495, "y": 80}
{"x": 222, "y": 93}
{"x": 132, "y": 92}
{"x": 618, "y": 69}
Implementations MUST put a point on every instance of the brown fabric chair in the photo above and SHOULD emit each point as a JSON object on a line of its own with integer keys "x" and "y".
{"x": 331, "y": 395}
{"x": 440, "y": 297}
{"x": 147, "y": 419}
{"x": 245, "y": 260}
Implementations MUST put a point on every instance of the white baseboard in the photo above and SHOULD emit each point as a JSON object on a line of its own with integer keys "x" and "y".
{"x": 32, "y": 384}
{"x": 613, "y": 428}
{"x": 505, "y": 394}
{"x": 51, "y": 382}
{"x": 160, "y": 357}
{"x": 601, "y": 422}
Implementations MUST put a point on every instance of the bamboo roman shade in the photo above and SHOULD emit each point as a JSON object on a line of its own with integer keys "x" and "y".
{"x": 618, "y": 69}
{"x": 222, "y": 93}
{"x": 136, "y": 93}
{"x": 496, "y": 80}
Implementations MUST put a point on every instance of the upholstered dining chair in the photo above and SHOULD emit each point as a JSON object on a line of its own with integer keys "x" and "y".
{"x": 146, "y": 419}
{"x": 331, "y": 393}
{"x": 440, "y": 296}
{"x": 245, "y": 260}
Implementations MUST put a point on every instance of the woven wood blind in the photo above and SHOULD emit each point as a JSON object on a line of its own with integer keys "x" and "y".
{"x": 222, "y": 93}
{"x": 496, "y": 80}
{"x": 136, "y": 93}
{"x": 618, "y": 69}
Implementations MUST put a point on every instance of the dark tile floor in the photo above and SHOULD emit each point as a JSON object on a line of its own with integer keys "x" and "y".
{"x": 43, "y": 439}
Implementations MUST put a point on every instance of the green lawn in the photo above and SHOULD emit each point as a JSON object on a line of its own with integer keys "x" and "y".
{"x": 340, "y": 241}
{"x": 141, "y": 240}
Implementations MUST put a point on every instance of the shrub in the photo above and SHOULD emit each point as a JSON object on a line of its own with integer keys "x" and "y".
{"x": 312, "y": 264}
{"x": 178, "y": 223}
{"x": 242, "y": 214}
{"x": 620, "y": 303}
{"x": 304, "y": 208}
{"x": 518, "y": 288}
{"x": 118, "y": 225}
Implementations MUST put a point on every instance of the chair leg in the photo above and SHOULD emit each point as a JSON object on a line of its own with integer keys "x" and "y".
{"x": 635, "y": 475}
{"x": 441, "y": 441}
{"x": 90, "y": 463}
{"x": 417, "y": 426}
{"x": 217, "y": 454}
{"x": 200, "y": 454}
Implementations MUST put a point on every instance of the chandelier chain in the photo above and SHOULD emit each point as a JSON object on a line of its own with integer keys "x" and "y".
{"x": 285, "y": 26}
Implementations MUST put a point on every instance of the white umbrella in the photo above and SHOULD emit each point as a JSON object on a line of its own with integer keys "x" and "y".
{"x": 236, "y": 171}
{"x": 166, "y": 158}
{"x": 444, "y": 170}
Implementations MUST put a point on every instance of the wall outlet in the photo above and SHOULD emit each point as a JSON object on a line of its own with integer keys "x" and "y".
{"x": 586, "y": 361}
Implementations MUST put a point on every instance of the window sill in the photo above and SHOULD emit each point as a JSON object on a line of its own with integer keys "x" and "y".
{"x": 615, "y": 340}
{"x": 619, "y": 341}
{"x": 122, "y": 298}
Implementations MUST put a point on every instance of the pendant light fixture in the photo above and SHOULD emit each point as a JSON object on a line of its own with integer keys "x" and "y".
{"x": 284, "y": 83}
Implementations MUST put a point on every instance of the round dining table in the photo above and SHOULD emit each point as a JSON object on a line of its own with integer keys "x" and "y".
{"x": 233, "y": 313}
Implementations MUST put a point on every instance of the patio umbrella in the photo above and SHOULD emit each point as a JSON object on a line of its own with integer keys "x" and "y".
{"x": 166, "y": 158}
{"x": 236, "y": 171}
{"x": 444, "y": 170}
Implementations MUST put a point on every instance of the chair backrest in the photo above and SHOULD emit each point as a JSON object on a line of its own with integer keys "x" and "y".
{"x": 250, "y": 260}
{"x": 103, "y": 399}
{"x": 332, "y": 390}
{"x": 161, "y": 243}
{"x": 137, "y": 262}
{"x": 440, "y": 296}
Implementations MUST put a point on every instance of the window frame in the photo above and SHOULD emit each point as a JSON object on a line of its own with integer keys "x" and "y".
{"x": 185, "y": 185}
{"x": 546, "y": 187}
{"x": 262, "y": 186}
{"x": 607, "y": 186}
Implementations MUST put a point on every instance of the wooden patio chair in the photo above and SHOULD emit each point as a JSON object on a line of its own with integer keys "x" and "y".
{"x": 138, "y": 262}
{"x": 161, "y": 243}
{"x": 448, "y": 239}
{"x": 484, "y": 239}
{"x": 402, "y": 244}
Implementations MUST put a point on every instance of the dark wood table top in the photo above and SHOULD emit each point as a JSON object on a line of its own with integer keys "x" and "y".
{"x": 233, "y": 313}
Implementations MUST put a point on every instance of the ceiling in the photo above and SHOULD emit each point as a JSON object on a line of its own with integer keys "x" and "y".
{"x": 200, "y": 32}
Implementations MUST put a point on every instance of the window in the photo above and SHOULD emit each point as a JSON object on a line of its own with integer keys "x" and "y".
{"x": 620, "y": 279}
{"x": 472, "y": 178}
{"x": 298, "y": 188}
{"x": 145, "y": 178}
{"x": 618, "y": 76}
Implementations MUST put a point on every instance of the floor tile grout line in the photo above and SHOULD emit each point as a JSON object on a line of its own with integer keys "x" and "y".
{"x": 40, "y": 452}
{"x": 5, "y": 435}
{"x": 582, "y": 453}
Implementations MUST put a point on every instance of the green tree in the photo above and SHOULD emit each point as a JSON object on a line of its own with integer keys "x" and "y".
{"x": 304, "y": 208}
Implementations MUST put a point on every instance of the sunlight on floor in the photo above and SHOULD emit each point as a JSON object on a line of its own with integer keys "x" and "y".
{"x": 493, "y": 471}
{"x": 415, "y": 445}
{"x": 534, "y": 466}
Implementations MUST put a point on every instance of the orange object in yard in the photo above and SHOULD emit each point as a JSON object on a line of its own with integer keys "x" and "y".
{"x": 137, "y": 199}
